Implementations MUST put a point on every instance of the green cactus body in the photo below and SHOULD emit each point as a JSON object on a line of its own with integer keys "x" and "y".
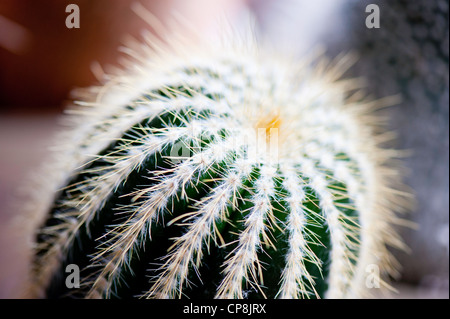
{"x": 281, "y": 189}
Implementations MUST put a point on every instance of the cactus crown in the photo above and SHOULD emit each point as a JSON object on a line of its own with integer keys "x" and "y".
{"x": 282, "y": 188}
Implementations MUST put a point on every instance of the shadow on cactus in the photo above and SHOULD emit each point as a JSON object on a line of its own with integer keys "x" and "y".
{"x": 219, "y": 171}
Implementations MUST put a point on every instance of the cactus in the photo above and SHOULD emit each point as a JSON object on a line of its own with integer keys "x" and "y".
{"x": 219, "y": 172}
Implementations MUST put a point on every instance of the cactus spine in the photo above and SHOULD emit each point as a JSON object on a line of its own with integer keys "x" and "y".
{"x": 297, "y": 209}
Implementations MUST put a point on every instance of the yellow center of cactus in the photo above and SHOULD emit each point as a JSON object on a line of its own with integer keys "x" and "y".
{"x": 270, "y": 123}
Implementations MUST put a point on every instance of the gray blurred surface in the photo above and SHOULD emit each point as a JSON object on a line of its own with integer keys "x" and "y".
{"x": 24, "y": 143}
{"x": 408, "y": 55}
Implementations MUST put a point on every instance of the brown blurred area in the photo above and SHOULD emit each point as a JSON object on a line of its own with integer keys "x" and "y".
{"x": 41, "y": 60}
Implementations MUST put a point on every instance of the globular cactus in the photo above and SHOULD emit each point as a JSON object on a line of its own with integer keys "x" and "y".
{"x": 219, "y": 171}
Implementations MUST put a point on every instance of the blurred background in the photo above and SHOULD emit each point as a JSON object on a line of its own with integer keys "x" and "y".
{"x": 41, "y": 61}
